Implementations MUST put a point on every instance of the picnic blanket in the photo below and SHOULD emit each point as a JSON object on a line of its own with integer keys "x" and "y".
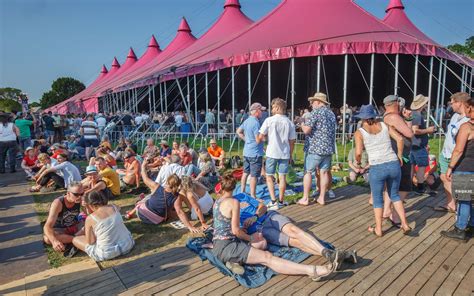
{"x": 255, "y": 275}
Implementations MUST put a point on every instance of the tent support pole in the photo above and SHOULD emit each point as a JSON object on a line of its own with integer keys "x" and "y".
{"x": 188, "y": 97}
{"x": 395, "y": 90}
{"x": 233, "y": 98}
{"x": 218, "y": 101}
{"x": 443, "y": 94}
{"x": 292, "y": 89}
{"x": 269, "y": 83}
{"x": 195, "y": 102}
{"x": 415, "y": 80}
{"x": 166, "y": 98}
{"x": 371, "y": 87}
{"x": 154, "y": 98}
{"x": 188, "y": 111}
{"x": 318, "y": 75}
{"x": 149, "y": 99}
{"x": 430, "y": 87}
{"x": 463, "y": 75}
{"x": 438, "y": 93}
{"x": 345, "y": 101}
{"x": 470, "y": 81}
{"x": 206, "y": 77}
{"x": 249, "y": 89}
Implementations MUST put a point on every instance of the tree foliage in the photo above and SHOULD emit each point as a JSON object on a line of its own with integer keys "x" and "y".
{"x": 10, "y": 93}
{"x": 8, "y": 105}
{"x": 466, "y": 49}
{"x": 62, "y": 88}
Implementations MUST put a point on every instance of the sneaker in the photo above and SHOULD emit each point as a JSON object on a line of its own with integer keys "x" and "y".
{"x": 350, "y": 256}
{"x": 420, "y": 189}
{"x": 283, "y": 204}
{"x": 338, "y": 258}
{"x": 273, "y": 206}
{"x": 236, "y": 268}
{"x": 456, "y": 234}
{"x": 70, "y": 251}
{"x": 331, "y": 194}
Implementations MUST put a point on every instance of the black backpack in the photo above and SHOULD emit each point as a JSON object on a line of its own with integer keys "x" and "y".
{"x": 235, "y": 162}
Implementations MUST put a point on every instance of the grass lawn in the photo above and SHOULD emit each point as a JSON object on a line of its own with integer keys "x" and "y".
{"x": 151, "y": 239}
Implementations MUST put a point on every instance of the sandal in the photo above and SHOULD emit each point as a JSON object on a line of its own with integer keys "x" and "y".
{"x": 127, "y": 216}
{"x": 371, "y": 229}
{"x": 444, "y": 209}
{"x": 318, "y": 277}
{"x": 393, "y": 223}
{"x": 406, "y": 231}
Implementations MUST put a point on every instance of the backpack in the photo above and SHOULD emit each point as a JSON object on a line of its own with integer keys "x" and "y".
{"x": 235, "y": 162}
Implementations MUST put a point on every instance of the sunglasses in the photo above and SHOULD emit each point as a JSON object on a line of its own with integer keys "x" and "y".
{"x": 77, "y": 194}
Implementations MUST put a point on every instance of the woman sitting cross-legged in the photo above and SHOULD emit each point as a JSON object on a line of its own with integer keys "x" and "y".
{"x": 106, "y": 236}
{"x": 158, "y": 206}
{"x": 197, "y": 199}
{"x": 233, "y": 246}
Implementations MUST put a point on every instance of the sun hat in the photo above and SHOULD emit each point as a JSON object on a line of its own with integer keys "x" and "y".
{"x": 213, "y": 141}
{"x": 390, "y": 99}
{"x": 419, "y": 102}
{"x": 366, "y": 112}
{"x": 28, "y": 149}
{"x": 91, "y": 170}
{"x": 256, "y": 106}
{"x": 164, "y": 142}
{"x": 319, "y": 97}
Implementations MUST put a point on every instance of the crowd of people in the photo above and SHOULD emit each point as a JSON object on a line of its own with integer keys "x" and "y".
{"x": 175, "y": 182}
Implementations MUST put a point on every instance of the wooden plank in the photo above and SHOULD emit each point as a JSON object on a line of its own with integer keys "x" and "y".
{"x": 466, "y": 286}
{"x": 359, "y": 240}
{"x": 456, "y": 276}
{"x": 436, "y": 280}
{"x": 218, "y": 277}
{"x": 95, "y": 280}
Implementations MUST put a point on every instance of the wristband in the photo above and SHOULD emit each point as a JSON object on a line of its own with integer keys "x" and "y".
{"x": 409, "y": 119}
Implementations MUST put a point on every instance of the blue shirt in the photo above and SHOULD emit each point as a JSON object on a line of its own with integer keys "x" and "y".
{"x": 248, "y": 208}
{"x": 251, "y": 126}
{"x": 322, "y": 138}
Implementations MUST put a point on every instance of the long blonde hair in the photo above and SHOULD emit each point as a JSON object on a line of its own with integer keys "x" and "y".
{"x": 174, "y": 183}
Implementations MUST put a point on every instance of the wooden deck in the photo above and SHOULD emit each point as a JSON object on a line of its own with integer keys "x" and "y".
{"x": 424, "y": 263}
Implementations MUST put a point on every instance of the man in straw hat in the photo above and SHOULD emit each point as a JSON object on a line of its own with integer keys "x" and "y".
{"x": 281, "y": 136}
{"x": 253, "y": 152}
{"x": 419, "y": 152}
{"x": 320, "y": 131}
{"x": 458, "y": 104}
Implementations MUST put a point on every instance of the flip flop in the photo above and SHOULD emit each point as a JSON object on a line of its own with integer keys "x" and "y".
{"x": 372, "y": 231}
{"x": 406, "y": 231}
{"x": 393, "y": 223}
{"x": 178, "y": 225}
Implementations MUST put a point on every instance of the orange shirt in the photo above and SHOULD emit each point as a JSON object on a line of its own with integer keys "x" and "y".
{"x": 215, "y": 152}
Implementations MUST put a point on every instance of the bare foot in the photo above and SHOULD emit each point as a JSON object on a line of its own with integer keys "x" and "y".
{"x": 303, "y": 202}
{"x": 372, "y": 230}
{"x": 321, "y": 202}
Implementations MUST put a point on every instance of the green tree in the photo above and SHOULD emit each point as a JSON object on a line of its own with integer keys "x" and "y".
{"x": 61, "y": 89}
{"x": 466, "y": 49}
{"x": 10, "y": 93}
{"x": 8, "y": 105}
{"x": 34, "y": 104}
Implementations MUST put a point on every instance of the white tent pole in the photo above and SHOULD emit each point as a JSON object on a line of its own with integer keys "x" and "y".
{"x": 154, "y": 98}
{"x": 371, "y": 87}
{"x": 149, "y": 98}
{"x": 269, "y": 84}
{"x": 161, "y": 98}
{"x": 207, "y": 93}
{"x": 430, "y": 87}
{"x": 195, "y": 102}
{"x": 188, "y": 98}
{"x": 318, "y": 76}
{"x": 249, "y": 76}
{"x": 443, "y": 93}
{"x": 233, "y": 98}
{"x": 462, "y": 78}
{"x": 292, "y": 89}
{"x": 395, "y": 91}
{"x": 470, "y": 81}
{"x": 415, "y": 82}
{"x": 344, "y": 101}
{"x": 218, "y": 100}
{"x": 438, "y": 93}
{"x": 166, "y": 98}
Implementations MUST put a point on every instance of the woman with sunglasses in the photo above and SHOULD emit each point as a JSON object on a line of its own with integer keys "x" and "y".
{"x": 63, "y": 223}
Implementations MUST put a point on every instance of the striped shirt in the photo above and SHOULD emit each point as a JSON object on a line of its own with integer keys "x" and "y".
{"x": 90, "y": 130}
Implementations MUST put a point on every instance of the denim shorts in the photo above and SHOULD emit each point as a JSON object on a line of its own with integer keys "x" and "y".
{"x": 419, "y": 157}
{"x": 91, "y": 143}
{"x": 253, "y": 165}
{"x": 314, "y": 161}
{"x": 272, "y": 163}
{"x": 443, "y": 163}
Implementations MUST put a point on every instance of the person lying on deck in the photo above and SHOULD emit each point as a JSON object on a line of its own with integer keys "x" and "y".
{"x": 235, "y": 247}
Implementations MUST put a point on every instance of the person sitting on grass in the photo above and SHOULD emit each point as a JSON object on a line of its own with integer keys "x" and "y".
{"x": 93, "y": 182}
{"x": 106, "y": 153}
{"x": 235, "y": 247}
{"x": 30, "y": 163}
{"x": 130, "y": 176}
{"x": 165, "y": 149}
{"x": 157, "y": 207}
{"x": 175, "y": 148}
{"x": 109, "y": 176}
{"x": 105, "y": 235}
{"x": 153, "y": 165}
{"x": 186, "y": 157}
{"x": 120, "y": 148}
{"x": 354, "y": 172}
{"x": 62, "y": 223}
{"x": 171, "y": 166}
{"x": 150, "y": 149}
{"x": 197, "y": 199}
{"x": 217, "y": 153}
{"x": 57, "y": 149}
{"x": 61, "y": 174}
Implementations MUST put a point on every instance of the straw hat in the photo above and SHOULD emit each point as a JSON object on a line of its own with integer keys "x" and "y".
{"x": 419, "y": 102}
{"x": 319, "y": 97}
{"x": 164, "y": 142}
{"x": 213, "y": 141}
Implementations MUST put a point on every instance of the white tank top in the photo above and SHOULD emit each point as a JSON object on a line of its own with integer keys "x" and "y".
{"x": 378, "y": 146}
{"x": 6, "y": 133}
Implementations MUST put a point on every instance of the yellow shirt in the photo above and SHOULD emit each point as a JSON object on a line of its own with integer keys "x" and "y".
{"x": 111, "y": 179}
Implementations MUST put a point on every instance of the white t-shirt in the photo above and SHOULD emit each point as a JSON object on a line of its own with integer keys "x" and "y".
{"x": 178, "y": 119}
{"x": 168, "y": 170}
{"x": 138, "y": 120}
{"x": 279, "y": 130}
{"x": 101, "y": 122}
{"x": 452, "y": 130}
{"x": 68, "y": 171}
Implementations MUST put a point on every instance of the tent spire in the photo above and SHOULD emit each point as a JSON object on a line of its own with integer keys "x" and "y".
{"x": 104, "y": 70}
{"x": 394, "y": 4}
{"x": 232, "y": 3}
{"x": 184, "y": 26}
{"x": 131, "y": 54}
{"x": 115, "y": 63}
{"x": 153, "y": 42}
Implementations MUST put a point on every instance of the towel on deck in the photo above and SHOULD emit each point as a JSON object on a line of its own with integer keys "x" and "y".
{"x": 255, "y": 275}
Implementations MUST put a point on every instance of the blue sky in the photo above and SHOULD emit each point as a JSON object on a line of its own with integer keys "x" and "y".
{"x": 41, "y": 40}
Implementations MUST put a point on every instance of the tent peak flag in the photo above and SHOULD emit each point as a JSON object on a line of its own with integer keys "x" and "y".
{"x": 394, "y": 4}
{"x": 184, "y": 26}
{"x": 232, "y": 3}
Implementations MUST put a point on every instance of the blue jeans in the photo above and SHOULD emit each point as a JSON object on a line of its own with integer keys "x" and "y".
{"x": 465, "y": 215}
{"x": 25, "y": 143}
{"x": 10, "y": 148}
{"x": 272, "y": 163}
{"x": 253, "y": 165}
{"x": 386, "y": 173}
{"x": 316, "y": 161}
{"x": 126, "y": 130}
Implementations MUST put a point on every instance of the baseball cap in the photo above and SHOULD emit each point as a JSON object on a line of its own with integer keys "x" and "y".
{"x": 255, "y": 106}
{"x": 390, "y": 99}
